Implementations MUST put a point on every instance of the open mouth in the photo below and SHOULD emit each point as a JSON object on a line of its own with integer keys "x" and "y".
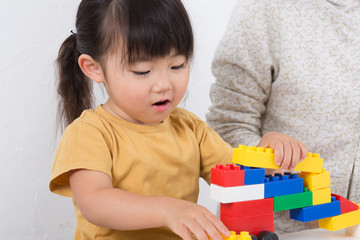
{"x": 161, "y": 103}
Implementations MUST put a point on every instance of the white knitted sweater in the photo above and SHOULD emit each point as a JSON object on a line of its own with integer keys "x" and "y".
{"x": 293, "y": 66}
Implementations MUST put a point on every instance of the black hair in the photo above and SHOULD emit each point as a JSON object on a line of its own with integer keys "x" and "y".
{"x": 141, "y": 29}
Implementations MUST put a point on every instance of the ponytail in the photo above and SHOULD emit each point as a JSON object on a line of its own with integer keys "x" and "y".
{"x": 74, "y": 88}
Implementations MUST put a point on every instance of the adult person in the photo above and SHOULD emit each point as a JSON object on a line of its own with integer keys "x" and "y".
{"x": 293, "y": 68}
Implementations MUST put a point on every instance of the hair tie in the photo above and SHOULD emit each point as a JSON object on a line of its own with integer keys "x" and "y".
{"x": 72, "y": 33}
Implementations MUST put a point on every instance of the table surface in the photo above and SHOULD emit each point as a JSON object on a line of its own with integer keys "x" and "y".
{"x": 317, "y": 234}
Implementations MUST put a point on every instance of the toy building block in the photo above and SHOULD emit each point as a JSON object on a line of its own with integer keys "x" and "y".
{"x": 298, "y": 200}
{"x": 316, "y": 181}
{"x": 242, "y": 236}
{"x": 345, "y": 204}
{"x": 264, "y": 158}
{"x": 353, "y": 231}
{"x": 316, "y": 212}
{"x": 252, "y": 224}
{"x": 231, "y": 237}
{"x": 279, "y": 185}
{"x": 227, "y": 175}
{"x": 247, "y": 208}
{"x": 321, "y": 196}
{"x": 236, "y": 194}
{"x": 341, "y": 221}
{"x": 253, "y": 175}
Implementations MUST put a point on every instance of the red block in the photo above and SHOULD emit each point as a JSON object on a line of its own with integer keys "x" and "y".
{"x": 227, "y": 175}
{"x": 248, "y": 208}
{"x": 252, "y": 224}
{"x": 345, "y": 204}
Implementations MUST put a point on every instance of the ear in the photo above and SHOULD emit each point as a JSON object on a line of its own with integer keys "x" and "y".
{"x": 91, "y": 68}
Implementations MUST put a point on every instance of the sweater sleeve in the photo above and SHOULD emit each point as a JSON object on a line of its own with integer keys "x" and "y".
{"x": 244, "y": 66}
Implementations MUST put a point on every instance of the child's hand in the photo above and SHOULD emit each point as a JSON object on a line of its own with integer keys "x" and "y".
{"x": 186, "y": 218}
{"x": 288, "y": 151}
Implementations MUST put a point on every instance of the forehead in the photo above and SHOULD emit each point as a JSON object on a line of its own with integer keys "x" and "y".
{"x": 118, "y": 57}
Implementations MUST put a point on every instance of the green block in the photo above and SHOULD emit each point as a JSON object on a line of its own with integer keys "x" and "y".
{"x": 292, "y": 201}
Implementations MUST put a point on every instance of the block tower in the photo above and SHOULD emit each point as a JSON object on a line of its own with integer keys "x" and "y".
{"x": 248, "y": 198}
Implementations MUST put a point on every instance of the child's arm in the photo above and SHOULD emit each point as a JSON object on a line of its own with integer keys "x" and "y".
{"x": 109, "y": 207}
{"x": 288, "y": 151}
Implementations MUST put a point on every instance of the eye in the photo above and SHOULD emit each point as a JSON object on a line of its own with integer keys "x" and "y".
{"x": 178, "y": 67}
{"x": 141, "y": 73}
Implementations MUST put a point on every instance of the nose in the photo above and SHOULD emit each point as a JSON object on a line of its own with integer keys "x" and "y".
{"x": 162, "y": 83}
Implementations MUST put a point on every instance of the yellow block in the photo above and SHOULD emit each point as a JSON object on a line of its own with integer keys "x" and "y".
{"x": 242, "y": 236}
{"x": 316, "y": 181}
{"x": 321, "y": 196}
{"x": 231, "y": 237}
{"x": 264, "y": 158}
{"x": 341, "y": 221}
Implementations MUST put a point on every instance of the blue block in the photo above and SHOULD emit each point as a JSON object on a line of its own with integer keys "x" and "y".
{"x": 253, "y": 175}
{"x": 316, "y": 212}
{"x": 280, "y": 185}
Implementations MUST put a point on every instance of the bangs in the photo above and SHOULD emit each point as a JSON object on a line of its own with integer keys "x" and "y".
{"x": 156, "y": 28}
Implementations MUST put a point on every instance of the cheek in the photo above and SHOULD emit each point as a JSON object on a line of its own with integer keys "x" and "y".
{"x": 135, "y": 94}
{"x": 181, "y": 87}
{"x": 184, "y": 81}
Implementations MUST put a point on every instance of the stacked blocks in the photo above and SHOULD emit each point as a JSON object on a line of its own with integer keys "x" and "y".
{"x": 249, "y": 198}
{"x": 341, "y": 221}
{"x": 227, "y": 176}
{"x": 249, "y": 215}
{"x": 319, "y": 184}
{"x": 236, "y": 194}
{"x": 292, "y": 201}
{"x": 316, "y": 212}
{"x": 248, "y": 208}
{"x": 279, "y": 184}
{"x": 242, "y": 236}
{"x": 264, "y": 158}
{"x": 345, "y": 205}
{"x": 252, "y": 224}
{"x": 321, "y": 196}
{"x": 315, "y": 181}
{"x": 253, "y": 175}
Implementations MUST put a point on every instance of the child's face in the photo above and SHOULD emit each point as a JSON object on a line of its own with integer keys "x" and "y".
{"x": 146, "y": 92}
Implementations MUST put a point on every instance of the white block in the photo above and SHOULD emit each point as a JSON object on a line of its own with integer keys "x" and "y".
{"x": 353, "y": 231}
{"x": 237, "y": 194}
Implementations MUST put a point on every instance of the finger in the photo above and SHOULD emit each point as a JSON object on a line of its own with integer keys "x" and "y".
{"x": 295, "y": 155}
{"x": 196, "y": 228}
{"x": 211, "y": 231}
{"x": 303, "y": 151}
{"x": 218, "y": 226}
{"x": 287, "y": 156}
{"x": 183, "y": 232}
{"x": 279, "y": 153}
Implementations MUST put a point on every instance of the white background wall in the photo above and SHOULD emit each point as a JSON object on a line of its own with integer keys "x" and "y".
{"x": 31, "y": 34}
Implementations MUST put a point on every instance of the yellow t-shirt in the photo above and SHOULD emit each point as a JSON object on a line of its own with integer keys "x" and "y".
{"x": 160, "y": 160}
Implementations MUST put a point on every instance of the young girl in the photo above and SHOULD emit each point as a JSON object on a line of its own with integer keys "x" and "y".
{"x": 132, "y": 164}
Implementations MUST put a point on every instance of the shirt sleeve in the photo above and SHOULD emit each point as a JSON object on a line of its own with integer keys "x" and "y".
{"x": 82, "y": 146}
{"x": 213, "y": 150}
{"x": 244, "y": 66}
